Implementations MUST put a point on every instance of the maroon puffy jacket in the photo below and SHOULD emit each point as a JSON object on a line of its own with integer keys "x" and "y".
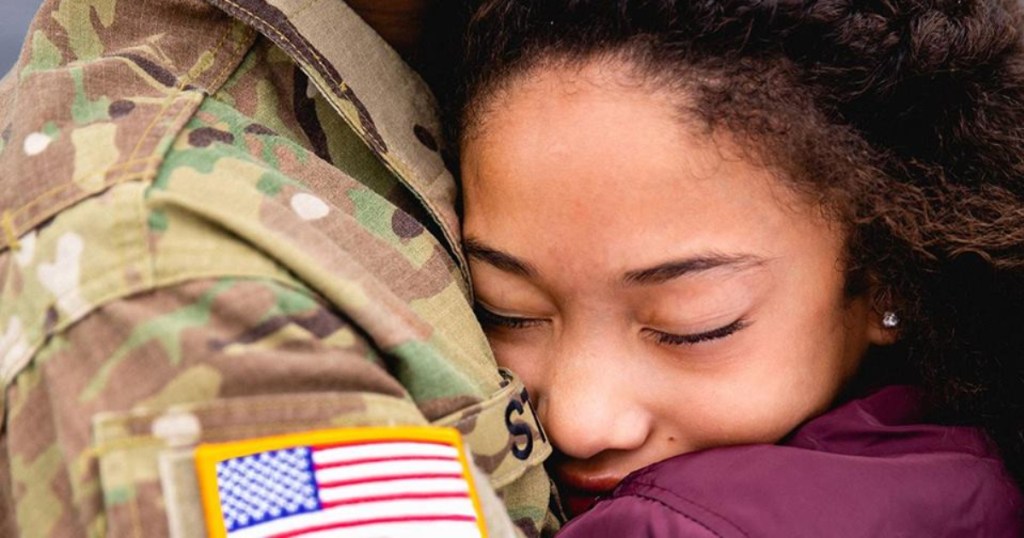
{"x": 869, "y": 468}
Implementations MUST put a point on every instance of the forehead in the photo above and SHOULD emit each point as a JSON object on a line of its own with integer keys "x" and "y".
{"x": 587, "y": 132}
{"x": 576, "y": 162}
{"x": 551, "y": 120}
{"x": 565, "y": 87}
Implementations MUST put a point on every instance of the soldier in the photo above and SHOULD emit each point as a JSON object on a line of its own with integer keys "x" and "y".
{"x": 225, "y": 222}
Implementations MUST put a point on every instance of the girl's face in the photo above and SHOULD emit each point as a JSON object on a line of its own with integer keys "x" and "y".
{"x": 657, "y": 293}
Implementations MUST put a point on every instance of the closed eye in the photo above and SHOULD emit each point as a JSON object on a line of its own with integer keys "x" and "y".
{"x": 489, "y": 318}
{"x": 670, "y": 339}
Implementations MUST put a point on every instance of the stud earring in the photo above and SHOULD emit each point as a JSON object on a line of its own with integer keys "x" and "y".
{"x": 890, "y": 320}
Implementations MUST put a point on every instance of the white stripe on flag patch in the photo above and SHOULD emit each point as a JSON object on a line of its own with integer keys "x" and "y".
{"x": 348, "y": 517}
{"x": 382, "y": 450}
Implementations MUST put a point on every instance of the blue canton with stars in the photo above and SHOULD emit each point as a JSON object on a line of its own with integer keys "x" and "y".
{"x": 266, "y": 486}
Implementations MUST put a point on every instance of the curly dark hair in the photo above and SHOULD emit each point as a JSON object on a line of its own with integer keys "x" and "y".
{"x": 903, "y": 118}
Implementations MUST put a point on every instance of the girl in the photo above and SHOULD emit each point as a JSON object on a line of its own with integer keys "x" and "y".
{"x": 759, "y": 263}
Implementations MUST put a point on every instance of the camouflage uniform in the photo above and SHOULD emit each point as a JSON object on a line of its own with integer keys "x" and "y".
{"x": 225, "y": 219}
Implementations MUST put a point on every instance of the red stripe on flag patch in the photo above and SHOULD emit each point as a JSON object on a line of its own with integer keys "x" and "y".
{"x": 372, "y": 479}
{"x": 377, "y": 521}
{"x": 396, "y": 497}
{"x": 347, "y": 444}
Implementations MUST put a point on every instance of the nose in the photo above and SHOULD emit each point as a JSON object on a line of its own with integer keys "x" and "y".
{"x": 588, "y": 404}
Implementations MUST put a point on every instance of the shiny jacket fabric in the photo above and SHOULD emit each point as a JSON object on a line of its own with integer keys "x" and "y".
{"x": 869, "y": 468}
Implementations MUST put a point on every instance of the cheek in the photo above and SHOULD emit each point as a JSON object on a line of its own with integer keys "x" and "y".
{"x": 744, "y": 413}
{"x": 808, "y": 346}
{"x": 526, "y": 361}
{"x": 507, "y": 356}
{"x": 781, "y": 377}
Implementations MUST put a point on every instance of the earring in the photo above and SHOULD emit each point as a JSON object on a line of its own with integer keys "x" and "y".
{"x": 890, "y": 320}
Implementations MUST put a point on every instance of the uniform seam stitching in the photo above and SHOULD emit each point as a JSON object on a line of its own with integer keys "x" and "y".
{"x": 133, "y": 158}
{"x": 155, "y": 284}
{"x": 301, "y": 9}
{"x": 324, "y": 72}
{"x": 58, "y": 190}
{"x": 165, "y": 110}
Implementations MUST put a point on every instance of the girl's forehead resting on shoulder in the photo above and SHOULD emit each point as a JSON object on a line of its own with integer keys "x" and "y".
{"x": 581, "y": 146}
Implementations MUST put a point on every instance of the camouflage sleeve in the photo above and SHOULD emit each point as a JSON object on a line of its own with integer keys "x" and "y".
{"x": 206, "y": 238}
{"x": 94, "y": 420}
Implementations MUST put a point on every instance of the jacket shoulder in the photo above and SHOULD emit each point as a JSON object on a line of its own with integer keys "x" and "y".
{"x": 649, "y": 517}
{"x": 868, "y": 468}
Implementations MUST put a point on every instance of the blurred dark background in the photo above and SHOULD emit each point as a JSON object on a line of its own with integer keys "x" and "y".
{"x": 14, "y": 18}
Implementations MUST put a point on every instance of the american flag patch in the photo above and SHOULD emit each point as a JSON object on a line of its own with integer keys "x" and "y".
{"x": 359, "y": 482}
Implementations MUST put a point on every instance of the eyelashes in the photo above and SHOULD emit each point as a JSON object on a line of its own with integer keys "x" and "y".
{"x": 490, "y": 319}
{"x": 693, "y": 339}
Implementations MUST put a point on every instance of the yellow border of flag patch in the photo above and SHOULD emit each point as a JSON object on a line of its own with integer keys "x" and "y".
{"x": 207, "y": 456}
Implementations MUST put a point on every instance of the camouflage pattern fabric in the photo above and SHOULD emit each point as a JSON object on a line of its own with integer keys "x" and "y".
{"x": 226, "y": 219}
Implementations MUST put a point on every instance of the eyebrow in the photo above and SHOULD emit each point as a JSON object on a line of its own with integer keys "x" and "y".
{"x": 502, "y": 260}
{"x": 664, "y": 272}
{"x": 657, "y": 274}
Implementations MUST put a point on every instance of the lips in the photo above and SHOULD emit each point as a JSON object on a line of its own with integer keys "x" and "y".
{"x": 581, "y": 490}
